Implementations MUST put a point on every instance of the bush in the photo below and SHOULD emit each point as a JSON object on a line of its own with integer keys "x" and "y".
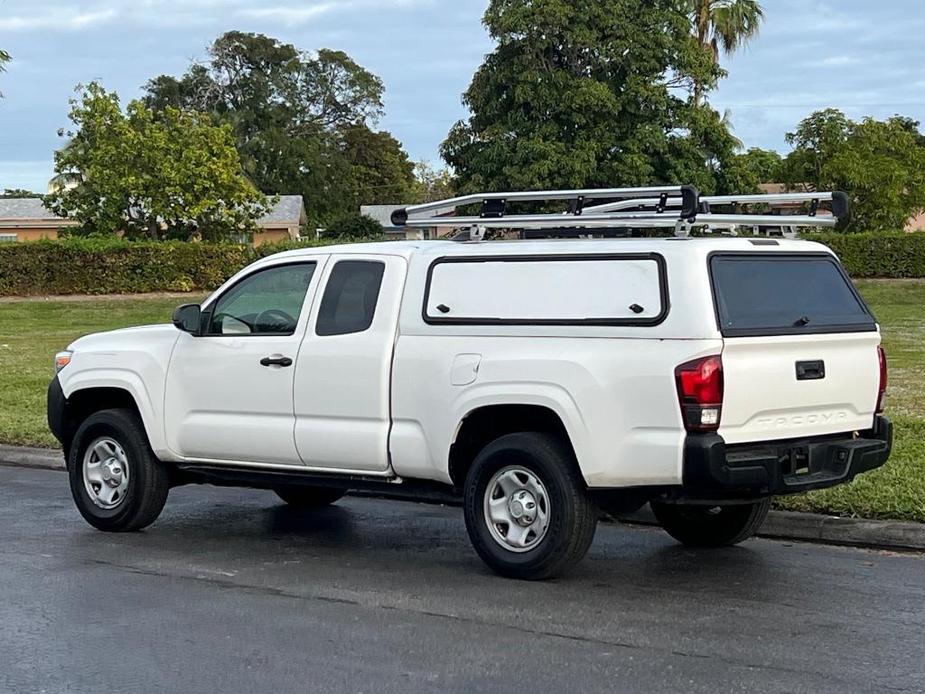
{"x": 878, "y": 254}
{"x": 357, "y": 226}
{"x": 115, "y": 266}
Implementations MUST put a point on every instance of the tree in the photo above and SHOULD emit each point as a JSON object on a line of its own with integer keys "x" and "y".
{"x": 298, "y": 119}
{"x": 588, "y": 93}
{"x": 723, "y": 26}
{"x": 880, "y": 164}
{"x": 432, "y": 184}
{"x": 172, "y": 176}
{"x": 19, "y": 193}
{"x": 743, "y": 173}
{"x": 4, "y": 59}
{"x": 380, "y": 171}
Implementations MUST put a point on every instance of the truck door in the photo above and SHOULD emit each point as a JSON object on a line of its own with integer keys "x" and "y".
{"x": 229, "y": 390}
{"x": 343, "y": 371}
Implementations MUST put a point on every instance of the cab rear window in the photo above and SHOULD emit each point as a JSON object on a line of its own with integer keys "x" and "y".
{"x": 783, "y": 294}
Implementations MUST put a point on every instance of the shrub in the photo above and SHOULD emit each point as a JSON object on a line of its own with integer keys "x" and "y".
{"x": 878, "y": 254}
{"x": 115, "y": 266}
{"x": 112, "y": 266}
{"x": 357, "y": 226}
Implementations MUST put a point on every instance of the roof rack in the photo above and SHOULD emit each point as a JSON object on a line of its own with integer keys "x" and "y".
{"x": 679, "y": 207}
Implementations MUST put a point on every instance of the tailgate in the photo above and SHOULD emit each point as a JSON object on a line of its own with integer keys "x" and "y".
{"x": 800, "y": 347}
{"x": 799, "y": 386}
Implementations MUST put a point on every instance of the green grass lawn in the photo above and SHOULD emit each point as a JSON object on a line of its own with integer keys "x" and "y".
{"x": 32, "y": 331}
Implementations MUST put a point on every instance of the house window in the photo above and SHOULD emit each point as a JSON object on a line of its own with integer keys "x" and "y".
{"x": 8, "y": 238}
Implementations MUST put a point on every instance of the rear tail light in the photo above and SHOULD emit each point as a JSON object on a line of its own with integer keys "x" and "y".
{"x": 881, "y": 393}
{"x": 700, "y": 393}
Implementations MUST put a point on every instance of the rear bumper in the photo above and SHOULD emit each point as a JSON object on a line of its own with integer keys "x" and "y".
{"x": 711, "y": 468}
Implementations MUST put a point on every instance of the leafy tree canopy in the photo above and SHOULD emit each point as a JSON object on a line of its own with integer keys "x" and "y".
{"x": 722, "y": 26}
{"x": 880, "y": 164}
{"x": 302, "y": 122}
{"x": 589, "y": 93}
{"x": 174, "y": 176}
{"x": 742, "y": 173}
{"x": 19, "y": 193}
{"x": 432, "y": 183}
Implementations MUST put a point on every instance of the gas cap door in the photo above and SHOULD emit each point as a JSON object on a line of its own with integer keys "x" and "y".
{"x": 465, "y": 369}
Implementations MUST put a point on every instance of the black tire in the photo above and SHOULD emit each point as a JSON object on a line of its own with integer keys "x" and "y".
{"x": 148, "y": 479}
{"x": 711, "y": 526}
{"x": 572, "y": 515}
{"x": 299, "y": 496}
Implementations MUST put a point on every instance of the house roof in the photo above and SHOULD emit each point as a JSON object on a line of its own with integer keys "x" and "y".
{"x": 288, "y": 210}
{"x": 25, "y": 208}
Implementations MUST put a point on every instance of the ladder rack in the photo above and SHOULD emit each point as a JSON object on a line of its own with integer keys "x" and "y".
{"x": 679, "y": 207}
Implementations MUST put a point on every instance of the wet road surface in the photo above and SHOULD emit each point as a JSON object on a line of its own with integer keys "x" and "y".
{"x": 230, "y": 591}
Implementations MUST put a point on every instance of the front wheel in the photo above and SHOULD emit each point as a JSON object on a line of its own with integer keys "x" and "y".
{"x": 117, "y": 483}
{"x": 711, "y": 526}
{"x": 527, "y": 512}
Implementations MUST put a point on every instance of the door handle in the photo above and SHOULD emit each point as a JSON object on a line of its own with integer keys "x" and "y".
{"x": 276, "y": 360}
{"x": 810, "y": 370}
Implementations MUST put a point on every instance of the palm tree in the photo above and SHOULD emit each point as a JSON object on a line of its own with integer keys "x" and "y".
{"x": 724, "y": 26}
{"x": 4, "y": 58}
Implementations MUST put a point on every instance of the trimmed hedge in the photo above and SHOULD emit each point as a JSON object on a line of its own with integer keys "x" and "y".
{"x": 878, "y": 254}
{"x": 98, "y": 266}
{"x": 113, "y": 266}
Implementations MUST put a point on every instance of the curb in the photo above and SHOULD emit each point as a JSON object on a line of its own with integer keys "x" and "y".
{"x": 780, "y": 525}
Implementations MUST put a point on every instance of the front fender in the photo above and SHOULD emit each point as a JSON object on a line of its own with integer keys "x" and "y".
{"x": 121, "y": 379}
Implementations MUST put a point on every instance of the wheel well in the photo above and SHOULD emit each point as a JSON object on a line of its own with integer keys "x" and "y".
{"x": 84, "y": 403}
{"x": 482, "y": 426}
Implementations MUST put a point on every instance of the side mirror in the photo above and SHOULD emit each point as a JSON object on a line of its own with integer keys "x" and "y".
{"x": 188, "y": 318}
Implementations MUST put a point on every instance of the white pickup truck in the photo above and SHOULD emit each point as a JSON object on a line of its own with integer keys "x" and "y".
{"x": 539, "y": 380}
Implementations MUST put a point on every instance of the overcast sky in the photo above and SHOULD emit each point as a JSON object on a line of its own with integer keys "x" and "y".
{"x": 863, "y": 57}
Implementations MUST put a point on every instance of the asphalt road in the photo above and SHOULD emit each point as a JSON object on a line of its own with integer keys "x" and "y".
{"x": 230, "y": 591}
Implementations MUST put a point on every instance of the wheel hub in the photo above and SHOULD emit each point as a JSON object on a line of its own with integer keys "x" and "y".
{"x": 105, "y": 473}
{"x": 516, "y": 508}
{"x": 112, "y": 472}
{"x": 522, "y": 507}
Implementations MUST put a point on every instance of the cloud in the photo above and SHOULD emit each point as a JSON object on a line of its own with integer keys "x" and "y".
{"x": 834, "y": 61}
{"x": 299, "y": 14}
{"x": 61, "y": 19}
{"x": 292, "y": 16}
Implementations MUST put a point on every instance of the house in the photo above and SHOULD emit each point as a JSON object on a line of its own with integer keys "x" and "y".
{"x": 283, "y": 222}
{"x": 27, "y": 219}
{"x": 383, "y": 215}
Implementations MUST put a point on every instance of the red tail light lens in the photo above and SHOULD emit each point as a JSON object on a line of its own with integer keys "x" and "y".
{"x": 881, "y": 394}
{"x": 700, "y": 392}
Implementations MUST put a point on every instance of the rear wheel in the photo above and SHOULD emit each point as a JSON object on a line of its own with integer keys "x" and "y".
{"x": 309, "y": 497}
{"x": 527, "y": 512}
{"x": 117, "y": 483}
{"x": 711, "y": 526}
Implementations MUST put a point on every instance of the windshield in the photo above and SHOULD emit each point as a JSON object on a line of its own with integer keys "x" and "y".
{"x": 778, "y": 294}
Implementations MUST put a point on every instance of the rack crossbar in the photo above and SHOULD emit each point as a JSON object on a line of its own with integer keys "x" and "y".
{"x": 681, "y": 207}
